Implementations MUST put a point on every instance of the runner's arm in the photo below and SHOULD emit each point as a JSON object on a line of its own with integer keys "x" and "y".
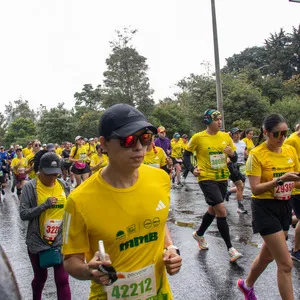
{"x": 234, "y": 157}
{"x": 74, "y": 264}
{"x": 187, "y": 160}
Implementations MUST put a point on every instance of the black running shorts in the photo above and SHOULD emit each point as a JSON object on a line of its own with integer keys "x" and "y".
{"x": 81, "y": 171}
{"x": 235, "y": 174}
{"x": 270, "y": 216}
{"x": 295, "y": 201}
{"x": 214, "y": 191}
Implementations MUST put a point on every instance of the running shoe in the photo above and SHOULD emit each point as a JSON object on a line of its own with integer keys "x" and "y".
{"x": 295, "y": 255}
{"x": 241, "y": 209}
{"x": 227, "y": 195}
{"x": 234, "y": 254}
{"x": 202, "y": 244}
{"x": 248, "y": 293}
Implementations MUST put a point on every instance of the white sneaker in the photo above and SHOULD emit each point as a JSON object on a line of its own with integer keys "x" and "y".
{"x": 241, "y": 210}
{"x": 202, "y": 244}
{"x": 234, "y": 254}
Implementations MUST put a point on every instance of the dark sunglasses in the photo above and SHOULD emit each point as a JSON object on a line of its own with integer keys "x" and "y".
{"x": 279, "y": 134}
{"x": 131, "y": 140}
{"x": 37, "y": 145}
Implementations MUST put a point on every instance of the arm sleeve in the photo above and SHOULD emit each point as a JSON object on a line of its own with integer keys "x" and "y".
{"x": 234, "y": 158}
{"x": 187, "y": 160}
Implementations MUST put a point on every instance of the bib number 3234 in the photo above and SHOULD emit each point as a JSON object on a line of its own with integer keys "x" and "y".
{"x": 136, "y": 285}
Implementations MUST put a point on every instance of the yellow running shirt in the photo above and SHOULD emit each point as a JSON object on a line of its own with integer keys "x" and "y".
{"x": 81, "y": 153}
{"x": 269, "y": 165}
{"x": 30, "y": 163}
{"x": 21, "y": 167}
{"x": 131, "y": 222}
{"x": 156, "y": 158}
{"x": 26, "y": 151}
{"x": 211, "y": 159}
{"x": 176, "y": 149}
{"x": 294, "y": 141}
{"x": 51, "y": 219}
{"x": 95, "y": 160}
{"x": 249, "y": 144}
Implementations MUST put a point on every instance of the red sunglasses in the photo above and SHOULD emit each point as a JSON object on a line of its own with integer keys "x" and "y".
{"x": 131, "y": 140}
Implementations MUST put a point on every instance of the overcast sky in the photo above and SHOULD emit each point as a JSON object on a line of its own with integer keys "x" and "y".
{"x": 50, "y": 49}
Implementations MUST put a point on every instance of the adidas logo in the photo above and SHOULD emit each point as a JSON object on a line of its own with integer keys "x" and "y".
{"x": 132, "y": 114}
{"x": 160, "y": 205}
{"x": 223, "y": 143}
{"x": 53, "y": 164}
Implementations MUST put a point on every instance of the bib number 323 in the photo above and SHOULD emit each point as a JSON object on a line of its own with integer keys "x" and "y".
{"x": 136, "y": 285}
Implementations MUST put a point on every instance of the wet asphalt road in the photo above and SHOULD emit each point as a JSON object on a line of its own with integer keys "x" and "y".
{"x": 204, "y": 274}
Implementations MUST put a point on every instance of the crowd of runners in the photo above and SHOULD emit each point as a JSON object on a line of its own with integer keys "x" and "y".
{"x": 124, "y": 201}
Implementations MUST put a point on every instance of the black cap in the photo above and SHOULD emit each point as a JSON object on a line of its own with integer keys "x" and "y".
{"x": 50, "y": 147}
{"x": 50, "y": 163}
{"x": 234, "y": 130}
{"x": 122, "y": 120}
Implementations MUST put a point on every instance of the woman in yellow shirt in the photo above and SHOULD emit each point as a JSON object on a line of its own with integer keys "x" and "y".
{"x": 98, "y": 159}
{"x": 43, "y": 203}
{"x": 248, "y": 139}
{"x": 19, "y": 165}
{"x": 176, "y": 155}
{"x": 273, "y": 171}
{"x": 79, "y": 157}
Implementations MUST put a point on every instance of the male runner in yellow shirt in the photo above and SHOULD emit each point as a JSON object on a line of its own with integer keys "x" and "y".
{"x": 212, "y": 148}
{"x": 126, "y": 205}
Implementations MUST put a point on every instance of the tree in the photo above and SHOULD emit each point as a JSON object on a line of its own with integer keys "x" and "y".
{"x": 169, "y": 114}
{"x": 89, "y": 97}
{"x": 86, "y": 122}
{"x": 20, "y": 108}
{"x": 288, "y": 108}
{"x": 56, "y": 125}
{"x": 126, "y": 78}
{"x": 242, "y": 100}
{"x": 20, "y": 131}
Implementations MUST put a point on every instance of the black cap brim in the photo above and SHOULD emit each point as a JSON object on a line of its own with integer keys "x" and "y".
{"x": 49, "y": 171}
{"x": 132, "y": 128}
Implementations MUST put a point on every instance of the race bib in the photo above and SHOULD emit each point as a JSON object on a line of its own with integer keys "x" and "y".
{"x": 83, "y": 156}
{"x": 51, "y": 228}
{"x": 217, "y": 161}
{"x": 284, "y": 192}
{"x": 242, "y": 169}
{"x": 21, "y": 170}
{"x": 138, "y": 285}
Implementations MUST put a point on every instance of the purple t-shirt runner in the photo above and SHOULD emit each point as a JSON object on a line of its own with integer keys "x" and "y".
{"x": 164, "y": 144}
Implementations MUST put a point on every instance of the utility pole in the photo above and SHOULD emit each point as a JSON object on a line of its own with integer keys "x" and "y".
{"x": 217, "y": 63}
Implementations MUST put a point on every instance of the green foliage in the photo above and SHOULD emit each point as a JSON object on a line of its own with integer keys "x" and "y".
{"x": 20, "y": 108}
{"x": 86, "y": 122}
{"x": 56, "y": 125}
{"x": 89, "y": 97}
{"x": 170, "y": 115}
{"x": 20, "y": 131}
{"x": 288, "y": 108}
{"x": 126, "y": 78}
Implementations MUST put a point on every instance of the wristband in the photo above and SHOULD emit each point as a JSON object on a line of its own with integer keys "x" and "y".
{"x": 173, "y": 247}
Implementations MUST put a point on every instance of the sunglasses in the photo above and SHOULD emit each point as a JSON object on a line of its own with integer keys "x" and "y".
{"x": 279, "y": 134}
{"x": 37, "y": 145}
{"x": 131, "y": 140}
